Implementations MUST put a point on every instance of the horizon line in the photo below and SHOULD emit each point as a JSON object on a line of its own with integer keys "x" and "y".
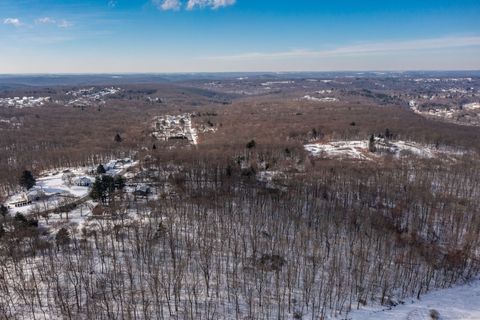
{"x": 231, "y": 72}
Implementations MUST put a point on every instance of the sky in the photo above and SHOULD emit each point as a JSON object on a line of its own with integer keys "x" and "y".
{"x": 163, "y": 36}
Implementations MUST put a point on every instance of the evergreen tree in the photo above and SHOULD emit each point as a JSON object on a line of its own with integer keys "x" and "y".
{"x": 251, "y": 144}
{"x": 108, "y": 184}
{"x": 118, "y": 138}
{"x": 97, "y": 192}
{"x": 119, "y": 183}
{"x": 388, "y": 134}
{"x": 105, "y": 186}
{"x": 228, "y": 171}
{"x": 371, "y": 144}
{"x": 63, "y": 237}
{"x": 27, "y": 180}
{"x": 101, "y": 169}
{"x": 3, "y": 210}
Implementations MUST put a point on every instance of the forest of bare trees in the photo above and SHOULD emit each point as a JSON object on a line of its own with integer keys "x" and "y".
{"x": 216, "y": 244}
{"x": 243, "y": 223}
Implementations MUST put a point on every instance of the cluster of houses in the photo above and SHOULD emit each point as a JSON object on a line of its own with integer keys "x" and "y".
{"x": 170, "y": 127}
{"x": 23, "y": 102}
{"x": 90, "y": 96}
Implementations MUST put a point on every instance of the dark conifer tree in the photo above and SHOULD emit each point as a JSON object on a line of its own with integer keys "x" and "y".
{"x": 118, "y": 138}
{"x": 101, "y": 169}
{"x": 371, "y": 144}
{"x": 251, "y": 144}
{"x": 27, "y": 180}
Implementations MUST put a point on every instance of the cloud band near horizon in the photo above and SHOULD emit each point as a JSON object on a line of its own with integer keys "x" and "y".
{"x": 364, "y": 48}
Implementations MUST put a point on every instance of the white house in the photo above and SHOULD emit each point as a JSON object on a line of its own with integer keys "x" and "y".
{"x": 83, "y": 182}
{"x": 20, "y": 201}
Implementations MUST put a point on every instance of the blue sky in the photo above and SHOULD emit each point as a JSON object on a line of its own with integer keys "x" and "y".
{"x": 114, "y": 36}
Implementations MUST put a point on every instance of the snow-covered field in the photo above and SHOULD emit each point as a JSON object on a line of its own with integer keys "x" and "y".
{"x": 175, "y": 127}
{"x": 359, "y": 149}
{"x": 270, "y": 83}
{"x": 472, "y": 106}
{"x": 324, "y": 99}
{"x": 339, "y": 149}
{"x": 458, "y": 303}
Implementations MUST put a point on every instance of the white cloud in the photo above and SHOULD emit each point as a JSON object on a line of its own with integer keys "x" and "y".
{"x": 112, "y": 3}
{"x": 365, "y": 48}
{"x": 192, "y": 4}
{"x": 64, "y": 24}
{"x": 45, "y": 20}
{"x": 60, "y": 23}
{"x": 214, "y": 4}
{"x": 13, "y": 21}
{"x": 167, "y": 4}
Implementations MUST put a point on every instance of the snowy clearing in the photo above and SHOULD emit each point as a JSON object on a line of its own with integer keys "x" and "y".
{"x": 359, "y": 149}
{"x": 53, "y": 188}
{"x": 325, "y": 99}
{"x": 270, "y": 83}
{"x": 472, "y": 106}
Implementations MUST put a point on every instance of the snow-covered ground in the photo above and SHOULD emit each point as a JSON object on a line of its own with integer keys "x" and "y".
{"x": 24, "y": 102}
{"x": 339, "y": 149}
{"x": 442, "y": 80}
{"x": 175, "y": 127}
{"x": 458, "y": 303}
{"x": 440, "y": 113}
{"x": 12, "y": 122}
{"x": 324, "y": 99}
{"x": 359, "y": 149}
{"x": 271, "y": 83}
{"x": 472, "y": 106}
